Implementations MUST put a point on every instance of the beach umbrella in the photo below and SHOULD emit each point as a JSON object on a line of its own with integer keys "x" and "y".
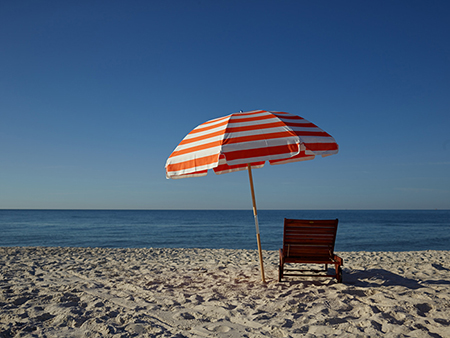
{"x": 245, "y": 140}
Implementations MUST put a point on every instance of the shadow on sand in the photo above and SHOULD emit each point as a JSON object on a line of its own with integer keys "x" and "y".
{"x": 381, "y": 277}
{"x": 373, "y": 278}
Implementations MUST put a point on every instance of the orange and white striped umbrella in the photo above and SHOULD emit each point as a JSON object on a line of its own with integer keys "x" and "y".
{"x": 229, "y": 143}
{"x": 243, "y": 141}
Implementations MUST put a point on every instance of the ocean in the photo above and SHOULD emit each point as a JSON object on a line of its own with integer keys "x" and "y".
{"x": 358, "y": 230}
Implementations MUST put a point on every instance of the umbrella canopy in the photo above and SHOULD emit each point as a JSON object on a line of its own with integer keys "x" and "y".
{"x": 229, "y": 143}
{"x": 244, "y": 140}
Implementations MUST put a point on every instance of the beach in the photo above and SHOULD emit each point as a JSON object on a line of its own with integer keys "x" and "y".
{"x": 153, "y": 292}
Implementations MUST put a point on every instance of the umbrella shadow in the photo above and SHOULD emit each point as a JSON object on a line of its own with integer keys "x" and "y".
{"x": 440, "y": 267}
{"x": 382, "y": 277}
{"x": 378, "y": 277}
{"x": 371, "y": 278}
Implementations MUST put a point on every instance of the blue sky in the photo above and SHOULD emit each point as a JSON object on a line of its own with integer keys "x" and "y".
{"x": 95, "y": 95}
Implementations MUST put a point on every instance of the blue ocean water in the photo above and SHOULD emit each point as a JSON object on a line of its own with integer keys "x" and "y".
{"x": 368, "y": 230}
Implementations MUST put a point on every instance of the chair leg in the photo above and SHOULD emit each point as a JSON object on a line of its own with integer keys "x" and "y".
{"x": 280, "y": 270}
{"x": 281, "y": 266}
{"x": 339, "y": 273}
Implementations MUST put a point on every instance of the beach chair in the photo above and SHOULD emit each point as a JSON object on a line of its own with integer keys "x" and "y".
{"x": 309, "y": 242}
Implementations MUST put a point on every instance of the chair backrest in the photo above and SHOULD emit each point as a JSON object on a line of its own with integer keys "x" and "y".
{"x": 309, "y": 238}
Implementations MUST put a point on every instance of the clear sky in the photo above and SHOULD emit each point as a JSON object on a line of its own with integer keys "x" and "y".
{"x": 95, "y": 95}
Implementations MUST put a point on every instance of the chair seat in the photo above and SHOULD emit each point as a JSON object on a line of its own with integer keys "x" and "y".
{"x": 309, "y": 260}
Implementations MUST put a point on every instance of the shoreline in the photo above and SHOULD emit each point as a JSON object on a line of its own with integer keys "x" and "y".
{"x": 162, "y": 292}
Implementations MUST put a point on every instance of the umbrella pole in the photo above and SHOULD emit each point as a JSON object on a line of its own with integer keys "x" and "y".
{"x": 255, "y": 213}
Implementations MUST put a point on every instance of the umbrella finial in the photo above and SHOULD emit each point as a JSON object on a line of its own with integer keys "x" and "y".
{"x": 241, "y": 111}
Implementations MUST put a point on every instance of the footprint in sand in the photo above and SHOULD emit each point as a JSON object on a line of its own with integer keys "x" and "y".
{"x": 185, "y": 315}
{"x": 219, "y": 328}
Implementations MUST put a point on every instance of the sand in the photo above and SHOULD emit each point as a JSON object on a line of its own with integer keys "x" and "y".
{"x": 97, "y": 292}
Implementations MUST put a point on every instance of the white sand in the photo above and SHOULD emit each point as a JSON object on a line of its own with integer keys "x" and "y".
{"x": 85, "y": 292}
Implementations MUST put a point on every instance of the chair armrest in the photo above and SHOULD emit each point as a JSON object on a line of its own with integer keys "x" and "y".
{"x": 338, "y": 260}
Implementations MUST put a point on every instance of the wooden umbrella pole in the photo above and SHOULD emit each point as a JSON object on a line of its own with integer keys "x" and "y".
{"x": 255, "y": 213}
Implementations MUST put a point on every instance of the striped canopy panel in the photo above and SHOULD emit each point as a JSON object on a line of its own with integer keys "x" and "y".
{"x": 229, "y": 143}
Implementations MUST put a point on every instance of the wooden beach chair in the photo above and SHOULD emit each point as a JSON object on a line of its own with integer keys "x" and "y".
{"x": 309, "y": 242}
